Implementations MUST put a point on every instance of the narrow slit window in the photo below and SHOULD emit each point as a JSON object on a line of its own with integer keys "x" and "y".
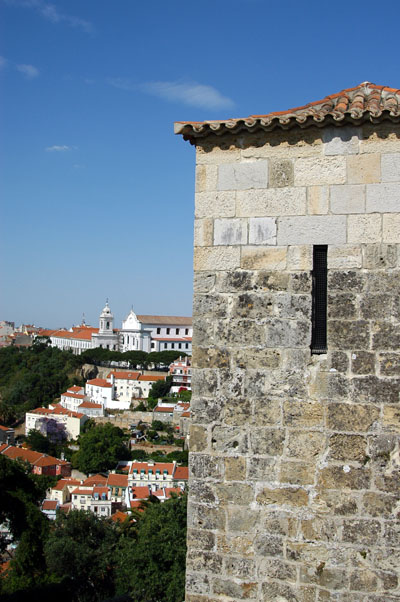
{"x": 319, "y": 299}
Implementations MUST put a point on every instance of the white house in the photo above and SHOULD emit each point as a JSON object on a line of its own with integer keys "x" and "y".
{"x": 138, "y": 333}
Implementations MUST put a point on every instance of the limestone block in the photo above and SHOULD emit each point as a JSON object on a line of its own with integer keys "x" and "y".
{"x": 299, "y": 257}
{"x": 349, "y": 198}
{"x": 262, "y": 469}
{"x": 312, "y": 230}
{"x": 383, "y": 198}
{"x": 306, "y": 445}
{"x": 297, "y": 473}
{"x": 344, "y": 257}
{"x": 216, "y": 258}
{"x": 206, "y": 178}
{"x": 198, "y": 438}
{"x": 275, "y": 568}
{"x": 391, "y": 417}
{"x": 204, "y": 282}
{"x": 345, "y": 281}
{"x": 290, "y": 496}
{"x": 271, "y": 202}
{"x": 347, "y": 447}
{"x": 318, "y": 171}
{"x": 341, "y": 141}
{"x": 390, "y": 167}
{"x": 267, "y": 441}
{"x": 233, "y": 591}
{"x": 349, "y": 334}
{"x": 204, "y": 517}
{"x": 317, "y": 200}
{"x": 203, "y": 232}
{"x": 281, "y": 173}
{"x": 364, "y": 169}
{"x": 216, "y": 155}
{"x": 262, "y": 231}
{"x": 344, "y": 477}
{"x": 257, "y": 258}
{"x": 361, "y": 531}
{"x": 364, "y": 229}
{"x": 230, "y": 440}
{"x": 363, "y": 362}
{"x": 391, "y": 228}
{"x": 389, "y": 364}
{"x": 381, "y": 256}
{"x": 230, "y": 232}
{"x": 243, "y": 176}
{"x": 375, "y": 390}
{"x": 303, "y": 414}
{"x": 235, "y": 468}
{"x": 235, "y": 493}
{"x": 351, "y": 417}
{"x": 215, "y": 204}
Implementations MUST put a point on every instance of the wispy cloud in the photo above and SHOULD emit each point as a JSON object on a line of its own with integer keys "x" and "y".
{"x": 53, "y": 14}
{"x": 123, "y": 83}
{"x": 3, "y": 62}
{"x": 58, "y": 148}
{"x": 28, "y": 71}
{"x": 193, "y": 94}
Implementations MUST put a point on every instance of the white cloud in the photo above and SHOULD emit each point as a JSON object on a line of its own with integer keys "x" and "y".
{"x": 193, "y": 94}
{"x": 51, "y": 13}
{"x": 58, "y": 148}
{"x": 29, "y": 71}
{"x": 123, "y": 83}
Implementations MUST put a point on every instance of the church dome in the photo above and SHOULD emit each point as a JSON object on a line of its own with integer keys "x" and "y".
{"x": 106, "y": 313}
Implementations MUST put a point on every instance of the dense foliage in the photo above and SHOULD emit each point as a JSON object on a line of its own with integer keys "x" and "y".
{"x": 151, "y": 565}
{"x": 100, "y": 448}
{"x": 32, "y": 377}
{"x": 132, "y": 359}
{"x": 82, "y": 558}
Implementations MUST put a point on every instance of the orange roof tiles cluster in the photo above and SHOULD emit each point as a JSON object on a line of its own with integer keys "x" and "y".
{"x": 117, "y": 480}
{"x": 99, "y": 382}
{"x": 124, "y": 375}
{"x": 365, "y": 102}
{"x": 33, "y": 457}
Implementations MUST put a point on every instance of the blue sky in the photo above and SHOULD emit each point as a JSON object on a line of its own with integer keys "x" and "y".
{"x": 96, "y": 191}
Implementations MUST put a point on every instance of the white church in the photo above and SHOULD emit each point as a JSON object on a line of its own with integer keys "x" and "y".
{"x": 138, "y": 333}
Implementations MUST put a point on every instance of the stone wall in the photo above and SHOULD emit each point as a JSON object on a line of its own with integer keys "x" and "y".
{"x": 294, "y": 490}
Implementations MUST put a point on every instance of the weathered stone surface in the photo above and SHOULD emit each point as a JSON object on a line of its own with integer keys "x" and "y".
{"x": 281, "y": 173}
{"x": 235, "y": 468}
{"x": 235, "y": 591}
{"x": 389, "y": 364}
{"x": 376, "y": 390}
{"x": 204, "y": 466}
{"x": 317, "y": 200}
{"x": 344, "y": 257}
{"x": 267, "y": 441}
{"x": 241, "y": 494}
{"x": 243, "y": 176}
{"x": 390, "y": 167}
{"x": 261, "y": 469}
{"x": 349, "y": 335}
{"x": 386, "y": 336}
{"x": 342, "y": 305}
{"x": 257, "y": 258}
{"x": 215, "y": 204}
{"x": 351, "y": 417}
{"x": 271, "y": 202}
{"x": 380, "y": 256}
{"x": 349, "y": 198}
{"x": 313, "y": 171}
{"x": 361, "y": 531}
{"x": 216, "y": 258}
{"x": 230, "y": 232}
{"x": 262, "y": 231}
{"x": 364, "y": 169}
{"x": 297, "y": 473}
{"x": 229, "y": 440}
{"x": 306, "y": 444}
{"x": 203, "y": 232}
{"x": 384, "y": 198}
{"x": 363, "y": 362}
{"x": 303, "y": 414}
{"x": 364, "y": 228}
{"x": 288, "y": 496}
{"x": 391, "y": 228}
{"x": 314, "y": 229}
{"x": 348, "y": 447}
{"x": 198, "y": 438}
{"x": 344, "y": 477}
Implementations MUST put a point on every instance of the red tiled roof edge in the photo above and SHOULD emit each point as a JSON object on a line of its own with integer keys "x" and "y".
{"x": 365, "y": 102}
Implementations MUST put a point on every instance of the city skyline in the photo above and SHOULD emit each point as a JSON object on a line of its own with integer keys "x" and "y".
{"x": 97, "y": 192}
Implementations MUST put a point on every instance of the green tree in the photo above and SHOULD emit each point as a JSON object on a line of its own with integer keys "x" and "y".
{"x": 151, "y": 566}
{"x": 100, "y": 449}
{"x": 81, "y": 547}
{"x": 20, "y": 494}
{"x": 160, "y": 388}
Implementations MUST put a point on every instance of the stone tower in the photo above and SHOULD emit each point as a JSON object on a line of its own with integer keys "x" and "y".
{"x": 295, "y": 466}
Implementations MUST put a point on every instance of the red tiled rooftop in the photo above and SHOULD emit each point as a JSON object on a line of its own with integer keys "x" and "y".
{"x": 117, "y": 480}
{"x": 127, "y": 375}
{"x": 99, "y": 382}
{"x": 49, "y": 505}
{"x": 365, "y": 102}
{"x": 181, "y": 473}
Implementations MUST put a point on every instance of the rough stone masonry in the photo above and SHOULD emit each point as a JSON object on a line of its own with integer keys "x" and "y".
{"x": 294, "y": 456}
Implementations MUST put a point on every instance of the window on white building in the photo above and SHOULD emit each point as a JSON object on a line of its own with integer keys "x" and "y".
{"x": 168, "y": 330}
{"x": 165, "y": 345}
{"x": 158, "y": 330}
{"x": 177, "y": 331}
{"x": 186, "y": 330}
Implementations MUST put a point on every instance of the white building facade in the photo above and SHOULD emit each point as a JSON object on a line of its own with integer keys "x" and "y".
{"x": 138, "y": 333}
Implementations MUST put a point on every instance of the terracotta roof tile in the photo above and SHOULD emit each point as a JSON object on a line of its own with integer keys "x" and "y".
{"x": 99, "y": 382}
{"x": 49, "y": 505}
{"x": 117, "y": 480}
{"x": 150, "y": 378}
{"x": 181, "y": 472}
{"x": 365, "y": 102}
{"x": 125, "y": 375}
